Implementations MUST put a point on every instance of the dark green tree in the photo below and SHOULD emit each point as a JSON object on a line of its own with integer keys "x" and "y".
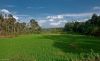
{"x": 34, "y": 27}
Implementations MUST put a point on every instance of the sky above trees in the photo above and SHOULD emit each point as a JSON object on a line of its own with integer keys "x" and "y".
{"x": 51, "y": 13}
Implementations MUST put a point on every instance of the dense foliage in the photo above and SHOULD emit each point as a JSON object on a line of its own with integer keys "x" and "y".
{"x": 9, "y": 25}
{"x": 90, "y": 27}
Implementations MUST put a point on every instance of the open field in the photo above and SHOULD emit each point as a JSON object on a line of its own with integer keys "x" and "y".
{"x": 49, "y": 48}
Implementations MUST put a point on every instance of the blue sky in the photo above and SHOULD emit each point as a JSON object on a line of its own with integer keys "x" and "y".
{"x": 51, "y": 13}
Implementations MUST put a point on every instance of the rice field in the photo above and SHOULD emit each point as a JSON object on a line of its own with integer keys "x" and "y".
{"x": 41, "y": 47}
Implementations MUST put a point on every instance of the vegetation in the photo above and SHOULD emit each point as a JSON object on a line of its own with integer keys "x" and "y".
{"x": 90, "y": 27}
{"x": 66, "y": 47}
{"x": 9, "y": 25}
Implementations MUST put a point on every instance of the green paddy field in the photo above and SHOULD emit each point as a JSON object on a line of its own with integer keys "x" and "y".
{"x": 56, "y": 47}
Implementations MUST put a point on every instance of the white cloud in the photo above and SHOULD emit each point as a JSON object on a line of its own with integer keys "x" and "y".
{"x": 51, "y": 20}
{"x": 58, "y": 23}
{"x": 5, "y": 11}
{"x": 55, "y": 17}
{"x": 41, "y": 22}
{"x": 96, "y": 8}
{"x": 55, "y": 24}
{"x": 78, "y": 15}
{"x": 16, "y": 17}
{"x": 61, "y": 16}
{"x": 30, "y": 7}
{"x": 55, "y": 20}
{"x": 61, "y": 19}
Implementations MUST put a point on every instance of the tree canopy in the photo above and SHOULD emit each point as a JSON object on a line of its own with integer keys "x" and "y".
{"x": 9, "y": 25}
{"x": 90, "y": 27}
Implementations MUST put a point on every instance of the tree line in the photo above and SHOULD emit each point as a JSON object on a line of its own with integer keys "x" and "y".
{"x": 10, "y": 25}
{"x": 90, "y": 27}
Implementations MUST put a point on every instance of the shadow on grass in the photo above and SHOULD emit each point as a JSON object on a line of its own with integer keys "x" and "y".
{"x": 75, "y": 43}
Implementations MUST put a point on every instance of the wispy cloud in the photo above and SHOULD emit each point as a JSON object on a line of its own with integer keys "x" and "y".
{"x": 96, "y": 8}
{"x": 78, "y": 15}
{"x": 73, "y": 15}
{"x": 24, "y": 17}
{"x": 30, "y": 7}
{"x": 10, "y": 6}
{"x": 58, "y": 23}
{"x": 55, "y": 17}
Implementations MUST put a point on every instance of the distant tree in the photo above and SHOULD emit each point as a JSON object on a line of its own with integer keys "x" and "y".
{"x": 34, "y": 26}
{"x": 9, "y": 25}
{"x": 90, "y": 27}
{"x": 76, "y": 26}
{"x": 1, "y": 21}
{"x": 93, "y": 20}
{"x": 69, "y": 27}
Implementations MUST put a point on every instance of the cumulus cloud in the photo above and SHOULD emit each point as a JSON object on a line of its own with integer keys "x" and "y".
{"x": 41, "y": 22}
{"x": 55, "y": 24}
{"x": 55, "y": 20}
{"x": 22, "y": 17}
{"x": 61, "y": 19}
{"x": 51, "y": 20}
{"x": 16, "y": 17}
{"x": 5, "y": 11}
{"x": 58, "y": 23}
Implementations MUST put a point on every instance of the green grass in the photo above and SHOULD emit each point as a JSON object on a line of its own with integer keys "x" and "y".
{"x": 50, "y": 48}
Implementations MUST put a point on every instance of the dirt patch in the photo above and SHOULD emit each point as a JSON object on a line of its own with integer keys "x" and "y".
{"x": 7, "y": 36}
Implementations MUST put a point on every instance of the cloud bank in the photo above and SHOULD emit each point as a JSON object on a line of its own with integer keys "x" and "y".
{"x": 61, "y": 19}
